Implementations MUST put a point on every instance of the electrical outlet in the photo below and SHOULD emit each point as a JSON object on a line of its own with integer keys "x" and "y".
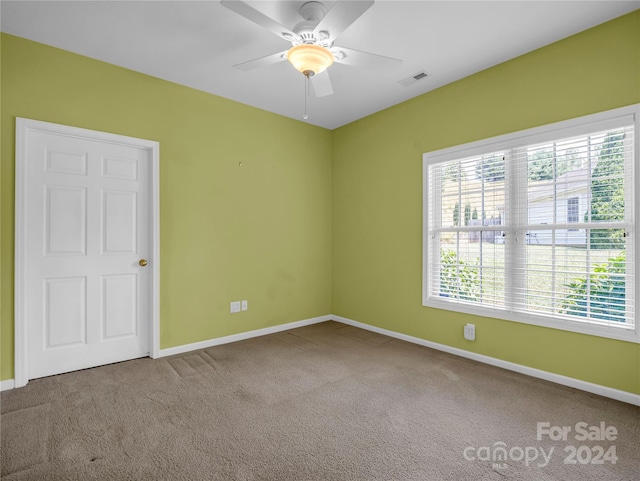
{"x": 470, "y": 332}
{"x": 235, "y": 307}
{"x": 245, "y": 305}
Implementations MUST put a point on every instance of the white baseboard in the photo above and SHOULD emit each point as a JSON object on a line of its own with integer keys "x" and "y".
{"x": 609, "y": 392}
{"x": 7, "y": 384}
{"x": 10, "y": 384}
{"x": 241, "y": 336}
{"x": 612, "y": 393}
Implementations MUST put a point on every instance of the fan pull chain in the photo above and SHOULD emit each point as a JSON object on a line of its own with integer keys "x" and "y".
{"x": 306, "y": 94}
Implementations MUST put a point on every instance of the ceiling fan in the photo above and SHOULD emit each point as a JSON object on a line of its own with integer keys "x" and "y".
{"x": 312, "y": 40}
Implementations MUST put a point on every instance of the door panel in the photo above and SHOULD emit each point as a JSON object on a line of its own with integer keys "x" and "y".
{"x": 120, "y": 226}
{"x": 119, "y": 305}
{"x": 65, "y": 218}
{"x": 66, "y": 162}
{"x": 65, "y": 312}
{"x": 120, "y": 168}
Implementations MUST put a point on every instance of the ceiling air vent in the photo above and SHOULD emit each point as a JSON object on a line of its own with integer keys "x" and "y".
{"x": 413, "y": 79}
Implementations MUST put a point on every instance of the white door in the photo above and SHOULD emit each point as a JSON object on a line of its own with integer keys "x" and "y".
{"x": 87, "y": 249}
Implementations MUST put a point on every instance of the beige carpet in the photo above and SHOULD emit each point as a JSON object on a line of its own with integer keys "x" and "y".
{"x": 324, "y": 402}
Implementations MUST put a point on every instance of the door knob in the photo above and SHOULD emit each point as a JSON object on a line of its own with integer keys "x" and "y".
{"x": 143, "y": 262}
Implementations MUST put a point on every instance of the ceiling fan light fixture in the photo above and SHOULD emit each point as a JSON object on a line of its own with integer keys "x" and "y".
{"x": 310, "y": 59}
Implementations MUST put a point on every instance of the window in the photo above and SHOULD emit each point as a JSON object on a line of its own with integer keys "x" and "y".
{"x": 538, "y": 226}
{"x": 573, "y": 210}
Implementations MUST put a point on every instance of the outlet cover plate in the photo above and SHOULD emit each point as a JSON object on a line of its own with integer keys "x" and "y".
{"x": 470, "y": 332}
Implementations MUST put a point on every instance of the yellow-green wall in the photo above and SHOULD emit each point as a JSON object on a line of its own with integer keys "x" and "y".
{"x": 260, "y": 232}
{"x": 377, "y": 195}
{"x": 336, "y": 230}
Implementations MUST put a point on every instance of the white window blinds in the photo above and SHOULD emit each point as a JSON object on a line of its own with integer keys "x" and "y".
{"x": 537, "y": 226}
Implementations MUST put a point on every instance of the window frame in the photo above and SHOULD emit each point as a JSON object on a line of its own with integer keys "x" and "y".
{"x": 563, "y": 129}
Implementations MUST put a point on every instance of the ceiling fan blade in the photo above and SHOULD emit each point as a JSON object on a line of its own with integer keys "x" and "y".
{"x": 262, "y": 61}
{"x": 369, "y": 61}
{"x": 341, "y": 15}
{"x": 259, "y": 18}
{"x": 322, "y": 84}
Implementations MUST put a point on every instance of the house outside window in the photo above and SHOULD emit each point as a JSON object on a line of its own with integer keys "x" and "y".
{"x": 538, "y": 226}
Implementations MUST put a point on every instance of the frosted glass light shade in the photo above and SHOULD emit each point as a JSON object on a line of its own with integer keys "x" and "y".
{"x": 310, "y": 59}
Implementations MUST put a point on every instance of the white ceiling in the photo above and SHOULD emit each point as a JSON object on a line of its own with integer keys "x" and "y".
{"x": 196, "y": 43}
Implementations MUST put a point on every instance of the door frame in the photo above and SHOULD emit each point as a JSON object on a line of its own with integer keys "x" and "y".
{"x": 24, "y": 127}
